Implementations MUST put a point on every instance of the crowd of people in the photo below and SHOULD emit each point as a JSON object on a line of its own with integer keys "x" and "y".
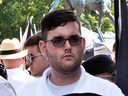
{"x": 53, "y": 59}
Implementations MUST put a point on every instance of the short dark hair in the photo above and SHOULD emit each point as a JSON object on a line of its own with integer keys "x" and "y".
{"x": 57, "y": 18}
{"x": 33, "y": 40}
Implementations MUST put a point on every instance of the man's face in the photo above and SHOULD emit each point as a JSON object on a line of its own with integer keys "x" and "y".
{"x": 39, "y": 63}
{"x": 65, "y": 59}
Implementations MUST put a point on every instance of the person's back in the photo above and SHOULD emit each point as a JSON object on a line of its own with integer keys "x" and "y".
{"x": 64, "y": 47}
{"x": 17, "y": 77}
{"x": 6, "y": 88}
{"x": 12, "y": 57}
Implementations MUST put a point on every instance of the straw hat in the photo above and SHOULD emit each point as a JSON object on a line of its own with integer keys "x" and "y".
{"x": 11, "y": 49}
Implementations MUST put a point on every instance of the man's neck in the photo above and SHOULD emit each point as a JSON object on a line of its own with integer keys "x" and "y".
{"x": 64, "y": 79}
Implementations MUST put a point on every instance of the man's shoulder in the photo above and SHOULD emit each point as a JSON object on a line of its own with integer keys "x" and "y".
{"x": 27, "y": 88}
{"x": 6, "y": 88}
{"x": 104, "y": 86}
{"x": 2, "y": 80}
{"x": 101, "y": 82}
{"x": 22, "y": 76}
{"x": 30, "y": 83}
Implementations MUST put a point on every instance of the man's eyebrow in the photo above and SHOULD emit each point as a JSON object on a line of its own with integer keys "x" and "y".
{"x": 57, "y": 37}
{"x": 73, "y": 35}
{"x": 63, "y": 37}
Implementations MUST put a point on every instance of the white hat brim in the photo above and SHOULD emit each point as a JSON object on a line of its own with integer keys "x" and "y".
{"x": 14, "y": 56}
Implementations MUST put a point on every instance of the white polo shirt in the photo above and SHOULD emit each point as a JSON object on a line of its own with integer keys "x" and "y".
{"x": 86, "y": 84}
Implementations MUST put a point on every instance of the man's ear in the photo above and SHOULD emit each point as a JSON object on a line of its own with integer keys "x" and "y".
{"x": 42, "y": 46}
{"x": 1, "y": 61}
{"x": 23, "y": 60}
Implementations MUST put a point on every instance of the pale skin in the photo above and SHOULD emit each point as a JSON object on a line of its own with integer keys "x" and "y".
{"x": 13, "y": 63}
{"x": 39, "y": 64}
{"x": 65, "y": 61}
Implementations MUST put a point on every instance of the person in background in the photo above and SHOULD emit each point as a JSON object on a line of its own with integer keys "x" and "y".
{"x": 101, "y": 66}
{"x": 64, "y": 47}
{"x": 13, "y": 58}
{"x": 6, "y": 88}
{"x": 35, "y": 59}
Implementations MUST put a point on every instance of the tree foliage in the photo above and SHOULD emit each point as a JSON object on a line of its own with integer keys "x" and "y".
{"x": 13, "y": 15}
{"x": 106, "y": 24}
{"x": 14, "y": 12}
{"x": 0, "y": 1}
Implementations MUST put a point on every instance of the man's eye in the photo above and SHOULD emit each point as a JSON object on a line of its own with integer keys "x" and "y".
{"x": 74, "y": 39}
{"x": 57, "y": 40}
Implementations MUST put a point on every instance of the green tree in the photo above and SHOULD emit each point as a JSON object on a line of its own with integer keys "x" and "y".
{"x": 106, "y": 24}
{"x": 13, "y": 15}
{"x": 0, "y": 1}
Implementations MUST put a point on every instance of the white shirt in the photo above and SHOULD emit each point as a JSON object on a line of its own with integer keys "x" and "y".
{"x": 60, "y": 90}
{"x": 86, "y": 84}
{"x": 6, "y": 88}
{"x": 17, "y": 77}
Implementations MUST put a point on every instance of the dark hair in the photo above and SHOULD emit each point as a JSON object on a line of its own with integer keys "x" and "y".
{"x": 57, "y": 18}
{"x": 3, "y": 71}
{"x": 33, "y": 40}
{"x": 99, "y": 64}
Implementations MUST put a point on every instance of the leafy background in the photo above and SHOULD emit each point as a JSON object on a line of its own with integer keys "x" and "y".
{"x": 13, "y": 15}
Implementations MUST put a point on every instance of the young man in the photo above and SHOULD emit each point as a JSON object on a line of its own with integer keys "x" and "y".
{"x": 35, "y": 59}
{"x": 64, "y": 47}
{"x": 12, "y": 57}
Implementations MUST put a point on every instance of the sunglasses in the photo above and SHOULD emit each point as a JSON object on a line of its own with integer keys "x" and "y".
{"x": 29, "y": 57}
{"x": 60, "y": 41}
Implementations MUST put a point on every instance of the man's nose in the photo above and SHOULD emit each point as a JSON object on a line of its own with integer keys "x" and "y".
{"x": 67, "y": 45}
